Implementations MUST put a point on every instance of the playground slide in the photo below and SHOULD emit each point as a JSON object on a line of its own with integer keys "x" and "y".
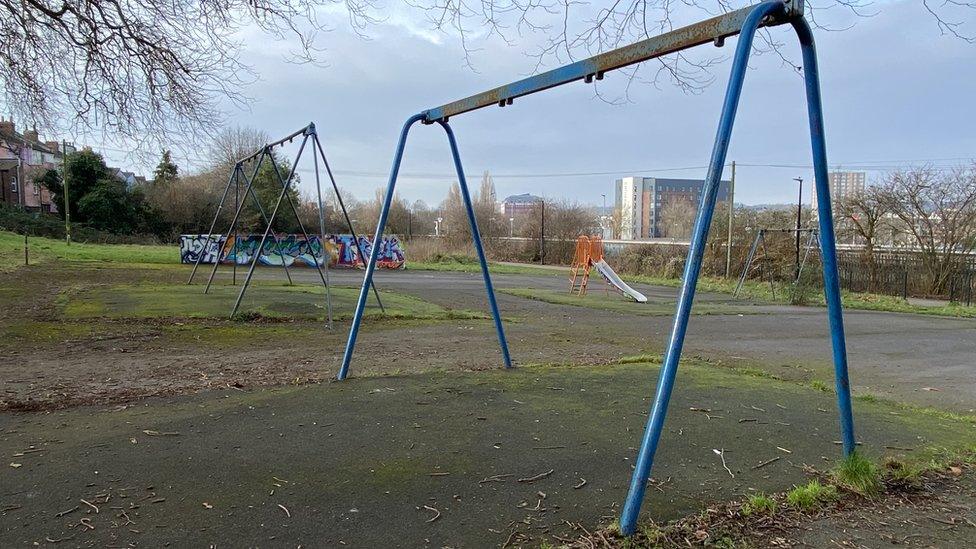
{"x": 616, "y": 282}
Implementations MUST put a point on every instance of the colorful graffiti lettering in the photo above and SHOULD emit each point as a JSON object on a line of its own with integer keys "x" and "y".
{"x": 291, "y": 250}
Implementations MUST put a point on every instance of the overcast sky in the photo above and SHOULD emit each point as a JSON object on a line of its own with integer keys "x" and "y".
{"x": 895, "y": 91}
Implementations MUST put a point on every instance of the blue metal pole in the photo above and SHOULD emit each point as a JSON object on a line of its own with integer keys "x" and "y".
{"x": 828, "y": 246}
{"x": 374, "y": 252}
{"x": 476, "y": 236}
{"x": 665, "y": 384}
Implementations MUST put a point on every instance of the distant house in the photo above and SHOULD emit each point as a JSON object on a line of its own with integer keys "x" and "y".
{"x": 23, "y": 157}
{"x": 517, "y": 204}
{"x": 130, "y": 179}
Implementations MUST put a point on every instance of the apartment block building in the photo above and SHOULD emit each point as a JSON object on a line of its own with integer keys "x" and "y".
{"x": 643, "y": 202}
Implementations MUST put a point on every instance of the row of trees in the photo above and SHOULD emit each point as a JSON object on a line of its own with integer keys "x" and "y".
{"x": 174, "y": 203}
{"x": 930, "y": 212}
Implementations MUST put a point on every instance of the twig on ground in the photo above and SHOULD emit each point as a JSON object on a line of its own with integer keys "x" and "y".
{"x": 496, "y": 478}
{"x": 767, "y": 462}
{"x": 285, "y": 509}
{"x": 581, "y": 484}
{"x": 534, "y": 478}
{"x": 92, "y": 505}
{"x": 721, "y": 454}
{"x": 436, "y": 516}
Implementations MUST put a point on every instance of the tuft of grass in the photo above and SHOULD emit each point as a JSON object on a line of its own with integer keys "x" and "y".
{"x": 652, "y": 534}
{"x": 905, "y": 474}
{"x": 821, "y": 386}
{"x": 758, "y": 504}
{"x": 868, "y": 397}
{"x": 640, "y": 359}
{"x": 811, "y": 495}
{"x": 859, "y": 474}
{"x": 754, "y": 372}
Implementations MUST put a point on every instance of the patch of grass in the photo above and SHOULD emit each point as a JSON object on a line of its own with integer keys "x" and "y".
{"x": 811, "y": 495}
{"x": 639, "y": 359}
{"x": 759, "y": 504}
{"x": 859, "y": 474}
{"x": 471, "y": 265}
{"x": 875, "y": 302}
{"x": 47, "y": 249}
{"x": 868, "y": 397}
{"x": 754, "y": 372}
{"x": 903, "y": 473}
{"x": 760, "y": 291}
{"x": 821, "y": 386}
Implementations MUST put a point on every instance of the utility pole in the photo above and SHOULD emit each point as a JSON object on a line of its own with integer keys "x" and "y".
{"x": 67, "y": 202}
{"x": 799, "y": 213}
{"x": 728, "y": 246}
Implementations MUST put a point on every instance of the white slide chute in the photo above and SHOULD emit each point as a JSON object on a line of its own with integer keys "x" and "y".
{"x": 614, "y": 280}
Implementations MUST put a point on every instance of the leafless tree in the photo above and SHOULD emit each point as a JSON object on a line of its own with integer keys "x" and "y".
{"x": 937, "y": 209}
{"x": 234, "y": 143}
{"x": 148, "y": 71}
{"x": 367, "y": 214}
{"x": 560, "y": 223}
{"x": 455, "y": 225}
{"x": 677, "y": 216}
{"x": 486, "y": 209}
{"x": 422, "y": 219}
{"x": 152, "y": 72}
{"x": 865, "y": 216}
{"x": 188, "y": 204}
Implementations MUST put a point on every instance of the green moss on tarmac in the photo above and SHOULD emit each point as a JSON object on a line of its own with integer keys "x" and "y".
{"x": 368, "y": 449}
{"x": 598, "y": 299}
{"x": 298, "y": 302}
{"x": 30, "y": 331}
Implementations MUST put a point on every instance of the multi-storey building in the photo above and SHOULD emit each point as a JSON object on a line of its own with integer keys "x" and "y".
{"x": 842, "y": 185}
{"x": 517, "y": 205}
{"x": 644, "y": 201}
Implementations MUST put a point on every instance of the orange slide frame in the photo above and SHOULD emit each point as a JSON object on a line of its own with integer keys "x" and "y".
{"x": 589, "y": 250}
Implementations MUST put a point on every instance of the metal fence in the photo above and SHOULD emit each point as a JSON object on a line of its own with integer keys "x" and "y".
{"x": 906, "y": 281}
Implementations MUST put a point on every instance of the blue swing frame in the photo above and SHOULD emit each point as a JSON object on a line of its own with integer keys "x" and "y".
{"x": 743, "y": 22}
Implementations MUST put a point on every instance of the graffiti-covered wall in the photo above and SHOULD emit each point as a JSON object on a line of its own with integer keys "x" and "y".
{"x": 290, "y": 249}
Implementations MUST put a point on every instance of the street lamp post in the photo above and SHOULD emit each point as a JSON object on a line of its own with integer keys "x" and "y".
{"x": 511, "y": 226}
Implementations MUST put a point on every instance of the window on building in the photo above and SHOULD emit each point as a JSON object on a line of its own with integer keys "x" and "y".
{"x": 13, "y": 185}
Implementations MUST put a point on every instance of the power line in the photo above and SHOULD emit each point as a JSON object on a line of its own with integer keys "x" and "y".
{"x": 944, "y": 163}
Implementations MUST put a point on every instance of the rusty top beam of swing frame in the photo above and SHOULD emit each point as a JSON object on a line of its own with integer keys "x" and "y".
{"x": 716, "y": 30}
{"x": 307, "y": 130}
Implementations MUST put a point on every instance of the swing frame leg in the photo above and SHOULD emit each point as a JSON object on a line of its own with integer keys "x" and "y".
{"x": 665, "y": 384}
{"x": 381, "y": 224}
